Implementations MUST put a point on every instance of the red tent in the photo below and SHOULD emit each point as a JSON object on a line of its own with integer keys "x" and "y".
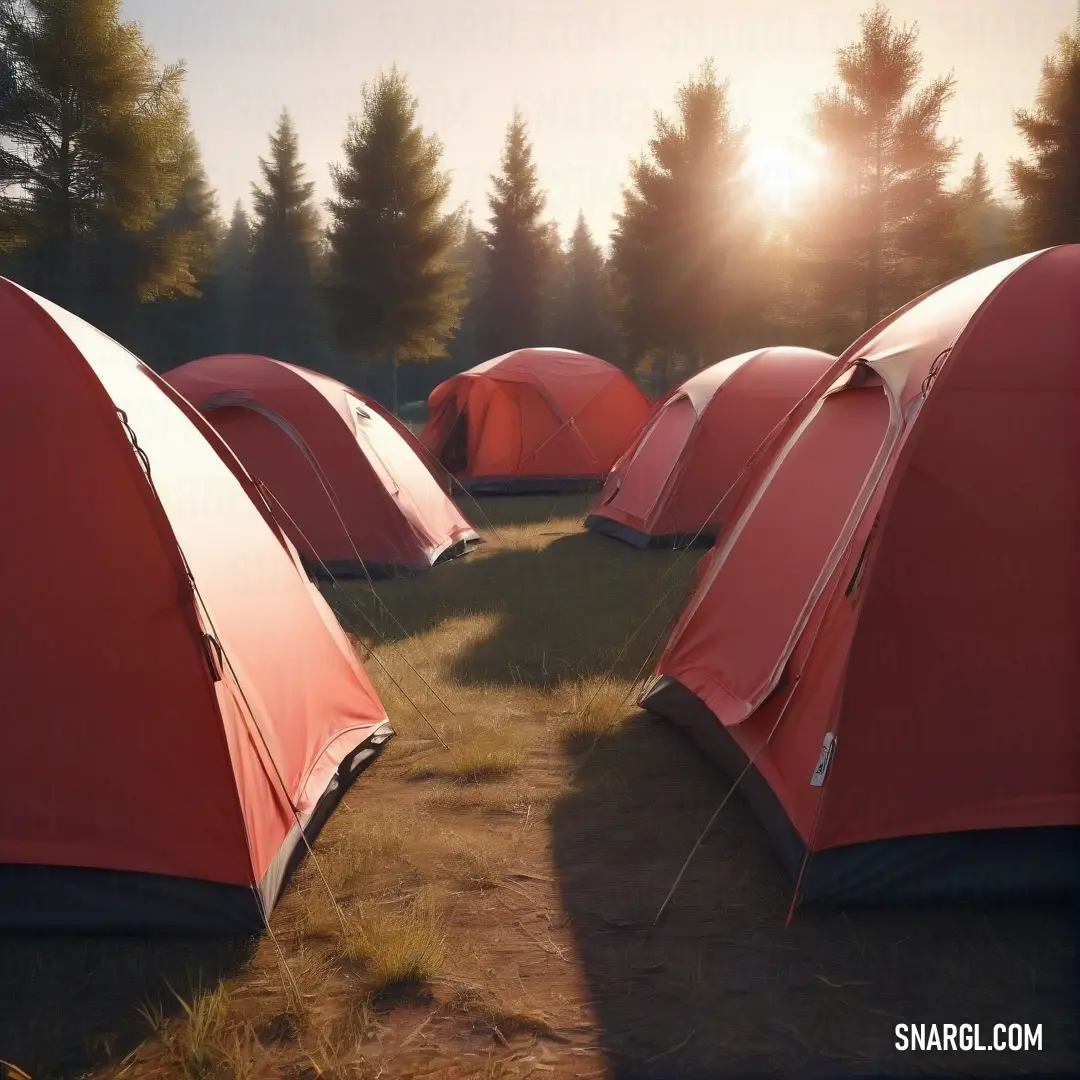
{"x": 688, "y": 464}
{"x": 178, "y": 700}
{"x": 884, "y": 645}
{"x": 349, "y": 482}
{"x": 534, "y": 420}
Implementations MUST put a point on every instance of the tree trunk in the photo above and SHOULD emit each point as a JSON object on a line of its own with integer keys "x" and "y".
{"x": 873, "y": 259}
{"x": 392, "y": 356}
{"x": 661, "y": 374}
{"x": 66, "y": 262}
{"x": 873, "y": 284}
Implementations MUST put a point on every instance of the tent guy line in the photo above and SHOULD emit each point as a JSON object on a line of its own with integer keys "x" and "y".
{"x": 386, "y": 641}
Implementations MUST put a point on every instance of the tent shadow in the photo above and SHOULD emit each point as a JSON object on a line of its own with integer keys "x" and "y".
{"x": 720, "y": 987}
{"x": 59, "y": 993}
{"x": 582, "y": 606}
{"x": 492, "y": 512}
{"x": 562, "y": 611}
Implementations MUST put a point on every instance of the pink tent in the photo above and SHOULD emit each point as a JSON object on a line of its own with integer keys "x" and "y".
{"x": 689, "y": 463}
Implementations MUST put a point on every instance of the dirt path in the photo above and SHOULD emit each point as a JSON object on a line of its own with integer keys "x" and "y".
{"x": 519, "y": 874}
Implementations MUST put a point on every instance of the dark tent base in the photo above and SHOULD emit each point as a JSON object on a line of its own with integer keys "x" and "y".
{"x": 530, "y": 485}
{"x": 75, "y": 899}
{"x": 978, "y": 864}
{"x": 353, "y": 568}
{"x": 636, "y": 538}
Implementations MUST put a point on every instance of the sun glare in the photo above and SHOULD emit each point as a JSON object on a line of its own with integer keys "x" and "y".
{"x": 781, "y": 172}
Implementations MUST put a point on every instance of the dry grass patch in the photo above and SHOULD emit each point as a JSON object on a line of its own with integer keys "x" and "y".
{"x": 337, "y": 1046}
{"x": 472, "y": 865}
{"x": 597, "y": 710}
{"x": 364, "y": 847}
{"x": 399, "y": 948}
{"x": 472, "y": 762}
{"x": 500, "y": 798}
{"x": 195, "y": 1041}
{"x": 506, "y": 1019}
{"x": 240, "y": 1052}
{"x": 306, "y": 974}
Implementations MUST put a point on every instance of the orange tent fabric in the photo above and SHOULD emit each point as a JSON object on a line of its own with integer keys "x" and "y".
{"x": 688, "y": 465}
{"x": 534, "y": 420}
{"x": 354, "y": 489}
{"x": 887, "y": 638}
{"x": 179, "y": 700}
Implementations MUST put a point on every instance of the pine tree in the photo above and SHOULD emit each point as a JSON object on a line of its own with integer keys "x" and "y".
{"x": 586, "y": 317}
{"x": 95, "y": 149}
{"x": 392, "y": 285}
{"x": 234, "y": 285}
{"x": 681, "y": 235}
{"x": 161, "y": 264}
{"x": 285, "y": 317}
{"x": 553, "y": 283}
{"x": 471, "y": 257}
{"x": 180, "y": 323}
{"x": 519, "y": 249}
{"x": 976, "y": 227}
{"x": 876, "y": 236}
{"x": 1048, "y": 183}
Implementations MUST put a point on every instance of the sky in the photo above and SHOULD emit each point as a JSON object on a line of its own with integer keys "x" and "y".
{"x": 587, "y": 74}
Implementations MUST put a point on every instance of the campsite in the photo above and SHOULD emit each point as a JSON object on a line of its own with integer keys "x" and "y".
{"x": 549, "y": 875}
{"x": 436, "y": 651}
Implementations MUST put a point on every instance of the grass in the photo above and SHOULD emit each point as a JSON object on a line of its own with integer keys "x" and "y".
{"x": 400, "y": 949}
{"x": 195, "y": 1042}
{"x": 505, "y": 799}
{"x": 472, "y": 865}
{"x": 597, "y": 712}
{"x": 476, "y": 910}
{"x": 493, "y": 654}
{"x": 509, "y": 1020}
{"x": 239, "y": 1055}
{"x": 474, "y": 761}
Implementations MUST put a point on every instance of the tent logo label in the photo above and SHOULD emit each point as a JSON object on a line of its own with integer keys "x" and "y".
{"x": 817, "y": 777}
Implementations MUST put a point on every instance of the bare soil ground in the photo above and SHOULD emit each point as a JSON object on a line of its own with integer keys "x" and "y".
{"x": 486, "y": 910}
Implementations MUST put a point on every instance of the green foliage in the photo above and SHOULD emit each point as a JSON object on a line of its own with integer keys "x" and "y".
{"x": 166, "y": 330}
{"x": 1048, "y": 182}
{"x": 553, "y": 280}
{"x": 233, "y": 284}
{"x": 874, "y": 236}
{"x": 285, "y": 319}
{"x": 96, "y": 158}
{"x": 106, "y": 208}
{"x": 392, "y": 283}
{"x": 976, "y": 230}
{"x": 586, "y": 304}
{"x": 471, "y": 258}
{"x": 520, "y": 250}
{"x": 684, "y": 232}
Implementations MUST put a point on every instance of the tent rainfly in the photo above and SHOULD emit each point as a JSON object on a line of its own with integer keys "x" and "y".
{"x": 534, "y": 420}
{"x": 688, "y": 465}
{"x": 354, "y": 489}
{"x": 181, "y": 709}
{"x": 885, "y": 638}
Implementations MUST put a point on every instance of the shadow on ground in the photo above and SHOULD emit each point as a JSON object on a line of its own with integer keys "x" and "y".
{"x": 490, "y": 513}
{"x": 721, "y": 988}
{"x": 58, "y": 994}
{"x": 568, "y": 604}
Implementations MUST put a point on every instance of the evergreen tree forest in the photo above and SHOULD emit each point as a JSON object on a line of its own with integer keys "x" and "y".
{"x": 105, "y": 207}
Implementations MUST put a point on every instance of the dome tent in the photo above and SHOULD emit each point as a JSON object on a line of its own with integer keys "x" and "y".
{"x": 897, "y": 688}
{"x": 534, "y": 420}
{"x": 182, "y": 706}
{"x": 354, "y": 488}
{"x": 689, "y": 461}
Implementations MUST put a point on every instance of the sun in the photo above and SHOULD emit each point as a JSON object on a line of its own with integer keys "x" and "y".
{"x": 781, "y": 171}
